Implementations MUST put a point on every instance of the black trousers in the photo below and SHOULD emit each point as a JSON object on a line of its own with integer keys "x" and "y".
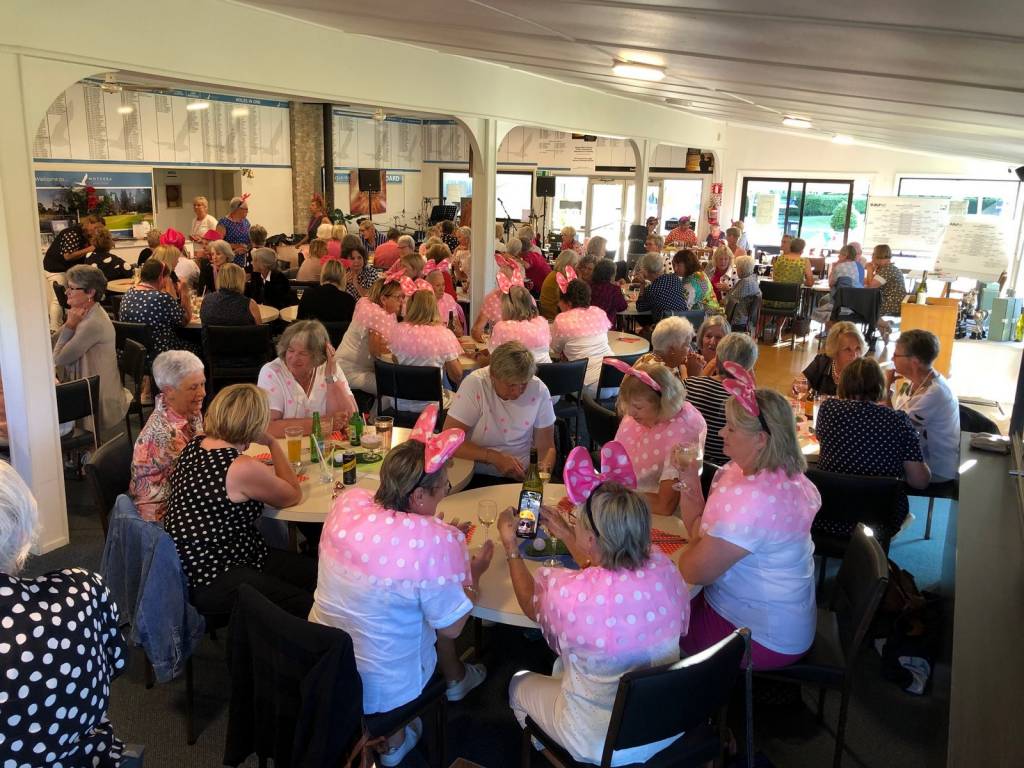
{"x": 481, "y": 480}
{"x": 287, "y": 579}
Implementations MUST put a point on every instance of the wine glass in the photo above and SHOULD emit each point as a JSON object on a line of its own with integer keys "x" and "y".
{"x": 683, "y": 456}
{"x": 487, "y": 514}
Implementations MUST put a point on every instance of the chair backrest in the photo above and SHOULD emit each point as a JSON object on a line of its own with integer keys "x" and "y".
{"x": 774, "y": 291}
{"x": 864, "y": 303}
{"x": 336, "y": 330}
{"x": 138, "y": 331}
{"x": 602, "y": 424}
{"x": 237, "y": 345}
{"x": 78, "y": 399}
{"x": 408, "y": 382}
{"x": 817, "y": 264}
{"x": 972, "y": 421}
{"x": 133, "y": 363}
{"x": 859, "y": 587}
{"x": 853, "y": 499}
{"x": 109, "y": 471}
{"x": 563, "y": 378}
{"x": 115, "y": 303}
{"x": 660, "y": 702}
{"x": 61, "y": 293}
{"x": 611, "y": 376}
{"x": 751, "y": 306}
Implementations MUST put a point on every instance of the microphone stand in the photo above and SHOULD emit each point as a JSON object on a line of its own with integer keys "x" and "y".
{"x": 508, "y": 220}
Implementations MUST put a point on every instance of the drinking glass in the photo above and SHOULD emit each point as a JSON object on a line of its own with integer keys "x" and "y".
{"x": 293, "y": 444}
{"x": 683, "y": 456}
{"x": 384, "y": 425}
{"x": 487, "y": 514}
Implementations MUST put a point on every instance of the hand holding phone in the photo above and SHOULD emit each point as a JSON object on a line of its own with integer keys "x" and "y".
{"x": 529, "y": 514}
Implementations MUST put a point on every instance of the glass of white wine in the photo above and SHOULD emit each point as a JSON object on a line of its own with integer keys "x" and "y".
{"x": 487, "y": 514}
{"x": 683, "y": 457}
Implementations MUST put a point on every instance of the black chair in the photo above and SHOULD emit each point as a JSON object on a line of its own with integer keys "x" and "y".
{"x": 434, "y": 697}
{"x": 697, "y": 688}
{"x": 602, "y": 423}
{"x": 408, "y": 382}
{"x": 109, "y": 470}
{"x": 133, "y": 364}
{"x": 848, "y": 500}
{"x": 864, "y": 306}
{"x": 62, "y": 295}
{"x": 115, "y": 304}
{"x": 752, "y": 308}
{"x": 79, "y": 399}
{"x": 336, "y": 330}
{"x": 789, "y": 293}
{"x": 235, "y": 353}
{"x": 364, "y": 400}
{"x": 973, "y": 421}
{"x": 842, "y": 629}
{"x": 566, "y": 380}
{"x": 611, "y": 377}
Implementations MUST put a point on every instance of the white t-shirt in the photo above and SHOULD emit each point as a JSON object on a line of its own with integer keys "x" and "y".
{"x": 201, "y": 226}
{"x": 582, "y": 333}
{"x": 287, "y": 396}
{"x": 935, "y": 414}
{"x": 505, "y": 425}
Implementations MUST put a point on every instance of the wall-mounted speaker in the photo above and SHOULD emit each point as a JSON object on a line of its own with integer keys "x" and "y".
{"x": 1020, "y": 173}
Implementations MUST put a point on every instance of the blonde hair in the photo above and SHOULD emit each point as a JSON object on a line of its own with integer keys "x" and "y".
{"x": 568, "y": 233}
{"x": 513, "y": 363}
{"x": 623, "y": 522}
{"x": 421, "y": 309}
{"x": 380, "y": 290}
{"x": 439, "y": 252}
{"x": 836, "y": 334}
{"x": 782, "y": 449}
{"x": 333, "y": 272}
{"x": 318, "y": 249}
{"x": 671, "y": 398}
{"x": 240, "y": 413}
{"x": 722, "y": 250}
{"x": 518, "y": 304}
{"x": 231, "y": 277}
{"x": 402, "y": 473}
{"x": 153, "y": 238}
{"x": 200, "y": 199}
{"x": 167, "y": 255}
{"x": 413, "y": 264}
{"x": 567, "y": 258}
{"x": 325, "y": 231}
{"x": 338, "y": 231}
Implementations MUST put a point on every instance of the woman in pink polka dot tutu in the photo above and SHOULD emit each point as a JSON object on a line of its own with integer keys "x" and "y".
{"x": 753, "y": 549}
{"x": 623, "y": 610}
{"x": 655, "y": 419}
{"x": 490, "y": 313}
{"x": 398, "y": 579}
{"x": 519, "y": 322}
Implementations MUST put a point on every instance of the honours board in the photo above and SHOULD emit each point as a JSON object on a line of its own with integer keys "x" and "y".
{"x": 906, "y": 223}
{"x": 971, "y": 248}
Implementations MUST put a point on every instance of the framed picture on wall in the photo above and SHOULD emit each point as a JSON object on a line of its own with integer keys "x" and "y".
{"x": 173, "y": 192}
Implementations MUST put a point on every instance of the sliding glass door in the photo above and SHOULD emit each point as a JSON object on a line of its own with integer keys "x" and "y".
{"x": 817, "y": 211}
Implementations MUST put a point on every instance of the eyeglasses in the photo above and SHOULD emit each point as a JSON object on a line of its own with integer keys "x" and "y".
{"x": 71, "y": 288}
{"x": 897, "y": 354}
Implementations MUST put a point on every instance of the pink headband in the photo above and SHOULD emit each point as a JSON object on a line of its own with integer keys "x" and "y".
{"x": 624, "y": 367}
{"x": 506, "y": 284}
{"x": 395, "y": 274}
{"x": 441, "y": 266}
{"x": 581, "y": 479}
{"x": 438, "y": 448}
{"x": 506, "y": 261}
{"x": 742, "y": 387}
{"x": 563, "y": 280}
{"x": 410, "y": 286}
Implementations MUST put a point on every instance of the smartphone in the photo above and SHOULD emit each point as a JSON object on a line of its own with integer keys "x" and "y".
{"x": 529, "y": 514}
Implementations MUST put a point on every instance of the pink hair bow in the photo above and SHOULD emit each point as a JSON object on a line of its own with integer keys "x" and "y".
{"x": 395, "y": 274}
{"x": 441, "y": 266}
{"x": 437, "y": 448}
{"x": 410, "y": 286}
{"x": 506, "y": 284}
{"x": 506, "y": 261}
{"x": 246, "y": 196}
{"x": 563, "y": 280}
{"x": 581, "y": 479}
{"x": 624, "y": 367}
{"x": 741, "y": 386}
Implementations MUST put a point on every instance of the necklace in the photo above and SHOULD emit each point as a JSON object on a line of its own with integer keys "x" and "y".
{"x": 924, "y": 383}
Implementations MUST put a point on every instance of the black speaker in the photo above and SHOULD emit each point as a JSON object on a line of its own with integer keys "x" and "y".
{"x": 369, "y": 180}
{"x": 1020, "y": 173}
{"x": 545, "y": 186}
{"x": 637, "y": 232}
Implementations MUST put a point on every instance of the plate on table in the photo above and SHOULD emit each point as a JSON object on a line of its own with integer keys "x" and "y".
{"x": 528, "y": 548}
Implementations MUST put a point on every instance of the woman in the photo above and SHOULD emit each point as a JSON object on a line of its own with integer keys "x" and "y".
{"x": 671, "y": 343}
{"x": 229, "y": 305}
{"x": 655, "y": 419}
{"x": 737, "y": 307}
{"x": 62, "y": 649}
{"x": 590, "y": 617}
{"x": 317, "y": 216}
{"x": 461, "y": 258}
{"x": 520, "y": 322}
{"x": 490, "y": 312}
{"x": 751, "y": 542}
{"x": 844, "y": 273}
{"x": 715, "y": 237}
{"x": 732, "y": 242}
{"x": 306, "y": 378}
{"x": 663, "y": 293}
{"x": 309, "y": 271}
{"x": 585, "y": 268}
{"x": 549, "y": 290}
{"x": 152, "y": 241}
{"x": 652, "y": 225}
{"x": 367, "y": 336}
{"x": 360, "y": 275}
{"x": 722, "y": 275}
{"x": 791, "y": 267}
{"x": 452, "y": 316}
{"x": 535, "y": 265}
{"x": 328, "y": 302}
{"x": 882, "y": 273}
{"x": 334, "y": 235}
{"x": 711, "y": 331}
{"x": 708, "y": 394}
{"x": 171, "y": 252}
{"x": 220, "y": 253}
{"x": 448, "y": 234}
{"x": 861, "y": 435}
{"x": 113, "y": 267}
{"x": 422, "y": 339}
{"x": 217, "y": 497}
{"x": 654, "y": 244}
{"x": 580, "y": 331}
{"x": 267, "y": 284}
{"x": 597, "y": 247}
{"x": 697, "y": 291}
{"x": 683, "y": 234}
{"x": 569, "y": 241}
{"x": 398, "y": 579}
{"x": 156, "y": 303}
{"x": 234, "y": 228}
{"x": 203, "y": 222}
{"x": 604, "y": 292}
{"x": 85, "y": 345}
{"x": 843, "y": 345}
{"x": 924, "y": 395}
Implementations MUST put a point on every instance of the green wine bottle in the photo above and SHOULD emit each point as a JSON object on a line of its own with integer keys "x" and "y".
{"x": 532, "y": 480}
{"x": 316, "y": 439}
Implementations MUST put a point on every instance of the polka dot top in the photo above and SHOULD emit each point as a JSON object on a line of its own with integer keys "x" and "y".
{"x": 211, "y": 533}
{"x": 59, "y": 649}
{"x": 160, "y": 312}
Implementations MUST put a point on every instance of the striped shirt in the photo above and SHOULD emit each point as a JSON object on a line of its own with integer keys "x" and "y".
{"x": 708, "y": 396}
{"x": 379, "y": 238}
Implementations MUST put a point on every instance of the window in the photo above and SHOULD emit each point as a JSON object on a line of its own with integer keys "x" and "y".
{"x": 821, "y": 212}
{"x": 514, "y": 193}
{"x": 570, "y": 204}
{"x": 681, "y": 198}
{"x": 983, "y": 197}
{"x": 455, "y": 185}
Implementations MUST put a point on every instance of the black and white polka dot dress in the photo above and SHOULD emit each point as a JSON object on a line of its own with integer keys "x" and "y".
{"x": 163, "y": 314}
{"x": 59, "y": 649}
{"x": 211, "y": 533}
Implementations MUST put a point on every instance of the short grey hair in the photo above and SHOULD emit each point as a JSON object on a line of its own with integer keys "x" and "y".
{"x": 408, "y": 242}
{"x": 672, "y": 332}
{"x": 711, "y": 321}
{"x": 169, "y": 368}
{"x": 224, "y": 248}
{"x": 597, "y": 246}
{"x": 651, "y": 263}
{"x": 19, "y": 518}
{"x": 309, "y": 332}
{"x": 623, "y": 520}
{"x": 88, "y": 278}
{"x": 525, "y": 232}
{"x": 235, "y": 204}
{"x": 514, "y": 246}
{"x": 744, "y": 266}
{"x": 736, "y": 348}
{"x": 266, "y": 257}
{"x": 513, "y": 363}
{"x": 325, "y": 231}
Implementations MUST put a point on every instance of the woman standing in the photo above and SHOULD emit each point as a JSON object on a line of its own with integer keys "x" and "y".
{"x": 203, "y": 222}
{"x": 234, "y": 228}
{"x": 580, "y": 330}
{"x": 366, "y": 339}
{"x": 317, "y": 216}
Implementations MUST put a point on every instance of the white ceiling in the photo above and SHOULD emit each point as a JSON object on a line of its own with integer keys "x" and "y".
{"x": 941, "y": 76}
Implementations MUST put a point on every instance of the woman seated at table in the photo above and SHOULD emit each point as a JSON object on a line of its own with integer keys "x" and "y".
{"x": 655, "y": 419}
{"x": 843, "y": 345}
{"x": 580, "y": 331}
{"x": 438, "y": 256}
{"x": 85, "y": 345}
{"x": 791, "y": 267}
{"x": 157, "y": 303}
{"x": 176, "y": 419}
{"x": 309, "y": 271}
{"x": 504, "y": 410}
{"x": 924, "y": 395}
{"x": 334, "y": 234}
{"x": 217, "y": 497}
{"x": 882, "y": 273}
{"x": 413, "y": 264}
{"x": 519, "y": 322}
{"x": 654, "y": 243}
{"x": 708, "y": 394}
{"x": 452, "y": 316}
{"x": 737, "y": 299}
{"x": 398, "y": 579}
{"x": 605, "y": 292}
{"x": 113, "y": 267}
{"x": 267, "y": 284}
{"x": 229, "y": 305}
{"x": 697, "y": 291}
{"x": 671, "y": 346}
{"x": 711, "y": 331}
{"x": 490, "y": 312}
{"x": 751, "y": 541}
{"x": 720, "y": 271}
{"x": 590, "y": 617}
{"x": 220, "y": 253}
{"x": 861, "y": 435}
{"x": 663, "y": 294}
{"x": 62, "y": 648}
{"x": 360, "y": 275}
{"x": 366, "y": 339}
{"x": 328, "y": 302}
{"x": 585, "y": 268}
{"x": 550, "y": 290}
{"x": 304, "y": 378}
{"x": 845, "y": 273}
{"x": 682, "y": 234}
{"x": 732, "y": 241}
{"x": 152, "y": 241}
{"x": 534, "y": 263}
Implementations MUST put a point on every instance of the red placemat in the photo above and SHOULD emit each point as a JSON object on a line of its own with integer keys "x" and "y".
{"x": 336, "y": 436}
{"x": 668, "y": 543}
{"x": 470, "y": 532}
{"x": 262, "y": 457}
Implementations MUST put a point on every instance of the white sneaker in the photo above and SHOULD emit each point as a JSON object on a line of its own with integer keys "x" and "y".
{"x": 475, "y": 674}
{"x": 393, "y": 757}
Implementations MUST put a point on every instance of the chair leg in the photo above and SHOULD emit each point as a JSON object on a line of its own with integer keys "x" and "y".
{"x": 821, "y": 573}
{"x": 821, "y": 704}
{"x": 190, "y": 715}
{"x": 524, "y": 749}
{"x": 928, "y": 522}
{"x": 150, "y": 675}
{"x": 844, "y": 705}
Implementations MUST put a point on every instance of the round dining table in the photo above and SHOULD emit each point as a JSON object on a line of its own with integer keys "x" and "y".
{"x": 122, "y": 285}
{"x": 497, "y": 601}
{"x": 268, "y": 314}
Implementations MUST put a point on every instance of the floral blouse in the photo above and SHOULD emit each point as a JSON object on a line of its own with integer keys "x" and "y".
{"x": 156, "y": 454}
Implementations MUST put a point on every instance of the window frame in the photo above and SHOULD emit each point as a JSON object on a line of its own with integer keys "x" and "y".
{"x": 790, "y": 181}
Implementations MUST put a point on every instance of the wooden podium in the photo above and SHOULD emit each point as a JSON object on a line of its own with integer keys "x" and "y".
{"x": 937, "y": 316}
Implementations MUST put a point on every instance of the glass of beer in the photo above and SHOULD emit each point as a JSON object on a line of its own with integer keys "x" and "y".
{"x": 293, "y": 444}
{"x": 384, "y": 425}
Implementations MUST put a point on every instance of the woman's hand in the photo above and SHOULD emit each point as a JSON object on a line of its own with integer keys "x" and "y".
{"x": 75, "y": 316}
{"x": 509, "y": 466}
{"x": 481, "y": 561}
{"x": 330, "y": 352}
{"x": 695, "y": 364}
{"x": 557, "y": 524}
{"x": 507, "y": 528}
{"x": 463, "y": 526}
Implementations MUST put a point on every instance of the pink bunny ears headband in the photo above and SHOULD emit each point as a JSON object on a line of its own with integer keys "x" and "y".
{"x": 437, "y": 448}
{"x": 563, "y": 280}
{"x": 506, "y": 284}
{"x": 581, "y": 479}
{"x": 625, "y": 368}
{"x": 395, "y": 274}
{"x": 441, "y": 266}
{"x": 410, "y": 286}
{"x": 743, "y": 387}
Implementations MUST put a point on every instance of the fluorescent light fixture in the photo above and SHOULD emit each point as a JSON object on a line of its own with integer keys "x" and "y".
{"x": 796, "y": 122}
{"x": 842, "y": 138}
{"x": 195, "y": 106}
{"x": 703, "y": 106}
{"x": 125, "y": 110}
{"x": 638, "y": 71}
{"x": 240, "y": 112}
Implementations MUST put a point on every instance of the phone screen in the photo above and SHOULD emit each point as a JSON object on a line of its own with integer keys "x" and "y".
{"x": 529, "y": 514}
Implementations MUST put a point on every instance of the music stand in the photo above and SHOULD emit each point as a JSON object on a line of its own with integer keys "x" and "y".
{"x": 442, "y": 213}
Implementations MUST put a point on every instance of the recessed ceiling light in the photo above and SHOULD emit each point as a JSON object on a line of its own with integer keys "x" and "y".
{"x": 125, "y": 110}
{"x": 240, "y": 112}
{"x": 638, "y": 71}
{"x": 842, "y": 138}
{"x": 796, "y": 122}
{"x": 195, "y": 106}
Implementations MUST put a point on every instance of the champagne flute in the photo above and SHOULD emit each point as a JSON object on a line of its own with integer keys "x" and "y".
{"x": 487, "y": 514}
{"x": 683, "y": 456}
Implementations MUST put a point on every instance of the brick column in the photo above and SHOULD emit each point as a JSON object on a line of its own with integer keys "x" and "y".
{"x": 307, "y": 151}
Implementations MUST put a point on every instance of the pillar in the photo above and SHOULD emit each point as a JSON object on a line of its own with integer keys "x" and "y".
{"x": 644, "y": 151}
{"x": 305, "y": 123}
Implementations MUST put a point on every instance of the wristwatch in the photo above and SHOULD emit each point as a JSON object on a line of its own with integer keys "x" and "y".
{"x": 513, "y": 555}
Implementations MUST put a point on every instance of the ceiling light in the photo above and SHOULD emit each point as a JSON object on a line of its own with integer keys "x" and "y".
{"x": 240, "y": 112}
{"x": 125, "y": 110}
{"x": 796, "y": 122}
{"x": 842, "y": 138}
{"x": 703, "y": 106}
{"x": 638, "y": 71}
{"x": 195, "y": 106}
